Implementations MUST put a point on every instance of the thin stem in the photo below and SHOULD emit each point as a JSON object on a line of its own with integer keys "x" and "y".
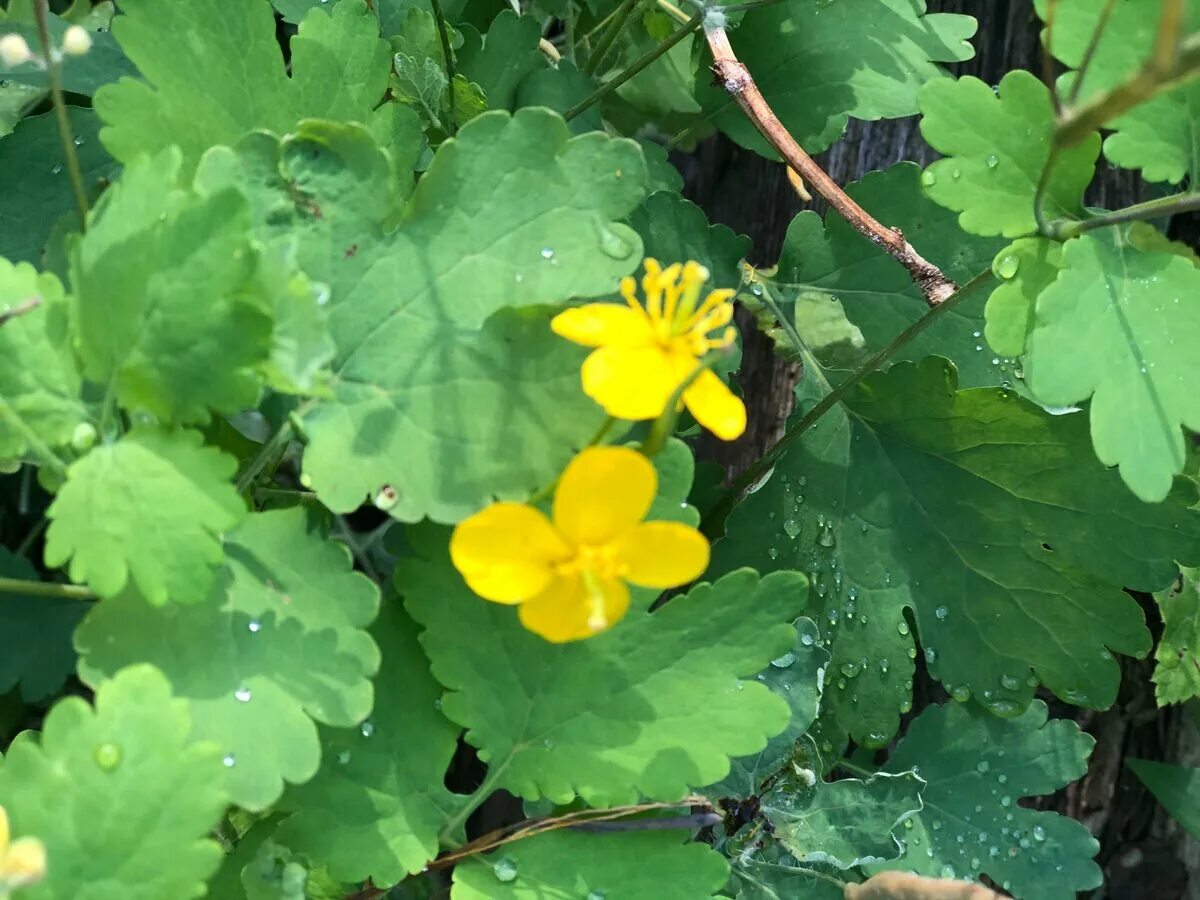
{"x": 794, "y": 432}
{"x": 1078, "y": 123}
{"x": 672, "y": 10}
{"x": 1039, "y": 196}
{"x": 34, "y": 533}
{"x": 358, "y": 550}
{"x": 65, "y": 134}
{"x": 637, "y": 66}
{"x": 265, "y": 493}
{"x": 45, "y": 589}
{"x": 25, "y": 306}
{"x": 274, "y": 444}
{"x": 1090, "y": 52}
{"x": 1065, "y": 229}
{"x": 739, "y": 84}
{"x": 785, "y": 322}
{"x": 664, "y": 425}
{"x": 619, "y": 20}
{"x": 444, "y": 34}
{"x": 473, "y": 802}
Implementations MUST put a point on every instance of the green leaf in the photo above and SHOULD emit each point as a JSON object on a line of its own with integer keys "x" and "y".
{"x": 666, "y": 87}
{"x": 1157, "y": 135}
{"x": 998, "y": 143}
{"x": 666, "y": 706}
{"x": 758, "y": 880}
{"x": 1177, "y": 788}
{"x": 817, "y": 65}
{"x": 277, "y": 644}
{"x": 560, "y": 88}
{"x": 301, "y": 345}
{"x": 35, "y": 636}
{"x": 1117, "y": 326}
{"x": 228, "y": 77}
{"x": 675, "y": 230}
{"x": 876, "y": 292}
{"x": 795, "y": 677}
{"x": 421, "y": 82}
{"x": 40, "y": 404}
{"x": 116, "y": 791}
{"x": 34, "y": 181}
{"x": 1177, "y": 657}
{"x": 421, "y": 367}
{"x": 979, "y": 514}
{"x": 499, "y": 62}
{"x": 390, "y": 772}
{"x": 656, "y": 865}
{"x": 148, "y": 509}
{"x": 1025, "y": 268}
{"x": 976, "y": 768}
{"x": 842, "y": 823}
{"x": 166, "y": 318}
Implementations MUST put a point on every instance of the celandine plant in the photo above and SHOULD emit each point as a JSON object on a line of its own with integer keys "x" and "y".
{"x": 333, "y": 330}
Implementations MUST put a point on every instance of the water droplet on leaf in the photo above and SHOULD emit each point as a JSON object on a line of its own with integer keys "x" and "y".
{"x": 107, "y": 756}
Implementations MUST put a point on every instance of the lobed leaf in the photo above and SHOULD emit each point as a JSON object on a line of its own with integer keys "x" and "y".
{"x": 115, "y": 791}
{"x": 146, "y": 512}
{"x": 376, "y": 806}
{"x": 1177, "y": 656}
{"x": 1117, "y": 325}
{"x": 978, "y": 514}
{"x": 228, "y": 77}
{"x": 976, "y": 768}
{"x": 998, "y": 143}
{"x": 652, "y": 707}
{"x": 277, "y": 645}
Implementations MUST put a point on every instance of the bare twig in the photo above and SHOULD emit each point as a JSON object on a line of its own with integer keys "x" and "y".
{"x": 735, "y": 78}
{"x": 25, "y": 306}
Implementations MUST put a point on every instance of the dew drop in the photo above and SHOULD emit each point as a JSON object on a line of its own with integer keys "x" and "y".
{"x": 229, "y": 761}
{"x": 827, "y": 538}
{"x": 947, "y": 871}
{"x": 1006, "y": 801}
{"x": 367, "y": 728}
{"x": 505, "y": 870}
{"x": 1039, "y": 833}
{"x": 993, "y": 160}
{"x": 242, "y": 694}
{"x": 254, "y": 626}
{"x": 343, "y": 757}
{"x": 961, "y": 693}
{"x": 983, "y": 766}
{"x": 595, "y": 895}
{"x": 850, "y": 670}
{"x": 1006, "y": 266}
{"x": 807, "y": 639}
{"x": 613, "y": 245}
{"x": 79, "y": 141}
{"x": 107, "y": 756}
{"x": 788, "y": 658}
{"x": 928, "y": 178}
{"x": 902, "y": 628}
{"x": 547, "y": 253}
{"x": 791, "y": 527}
{"x": 57, "y": 170}
{"x": 941, "y": 612}
{"x": 772, "y": 552}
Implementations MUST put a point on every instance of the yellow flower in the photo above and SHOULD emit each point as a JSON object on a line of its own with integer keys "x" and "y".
{"x": 645, "y": 353}
{"x": 22, "y": 862}
{"x": 569, "y": 574}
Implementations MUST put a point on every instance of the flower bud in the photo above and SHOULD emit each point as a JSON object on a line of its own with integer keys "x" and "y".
{"x": 76, "y": 41}
{"x": 14, "y": 51}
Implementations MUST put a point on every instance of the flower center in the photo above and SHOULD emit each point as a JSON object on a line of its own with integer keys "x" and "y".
{"x": 594, "y": 564}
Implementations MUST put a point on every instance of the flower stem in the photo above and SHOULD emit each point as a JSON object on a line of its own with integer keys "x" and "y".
{"x": 45, "y": 589}
{"x": 716, "y": 516}
{"x": 664, "y": 425}
{"x": 1064, "y": 229}
{"x": 65, "y": 134}
{"x": 635, "y": 67}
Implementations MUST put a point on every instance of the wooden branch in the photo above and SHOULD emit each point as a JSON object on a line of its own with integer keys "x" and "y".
{"x": 735, "y": 78}
{"x": 25, "y": 306}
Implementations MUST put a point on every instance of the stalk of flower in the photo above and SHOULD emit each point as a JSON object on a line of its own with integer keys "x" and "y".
{"x": 22, "y": 862}
{"x": 569, "y": 573}
{"x": 645, "y": 351}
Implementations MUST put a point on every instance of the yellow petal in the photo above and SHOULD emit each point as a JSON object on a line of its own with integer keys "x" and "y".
{"x": 507, "y": 552}
{"x": 569, "y": 611}
{"x": 629, "y": 382}
{"x": 604, "y": 492}
{"x": 663, "y": 554}
{"x": 24, "y": 864}
{"x": 603, "y": 325}
{"x": 715, "y": 406}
